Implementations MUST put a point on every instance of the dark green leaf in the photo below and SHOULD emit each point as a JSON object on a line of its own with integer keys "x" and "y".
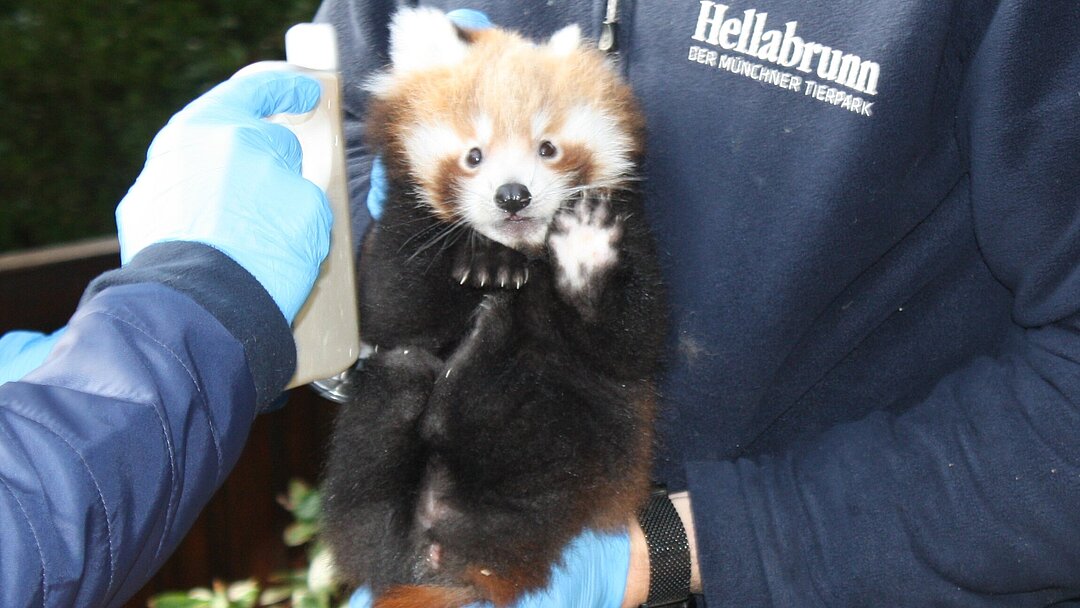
{"x": 299, "y": 533}
{"x": 176, "y": 599}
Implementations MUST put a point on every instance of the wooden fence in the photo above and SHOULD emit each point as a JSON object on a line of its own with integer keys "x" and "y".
{"x": 238, "y": 535}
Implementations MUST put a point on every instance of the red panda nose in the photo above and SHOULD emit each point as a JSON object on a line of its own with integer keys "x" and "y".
{"x": 512, "y": 197}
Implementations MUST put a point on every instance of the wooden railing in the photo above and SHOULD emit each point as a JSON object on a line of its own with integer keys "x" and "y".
{"x": 39, "y": 288}
{"x": 238, "y": 535}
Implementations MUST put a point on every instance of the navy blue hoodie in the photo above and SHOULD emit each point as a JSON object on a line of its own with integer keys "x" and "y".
{"x": 869, "y": 215}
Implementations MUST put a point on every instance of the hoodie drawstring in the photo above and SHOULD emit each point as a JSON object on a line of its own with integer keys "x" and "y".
{"x": 609, "y": 42}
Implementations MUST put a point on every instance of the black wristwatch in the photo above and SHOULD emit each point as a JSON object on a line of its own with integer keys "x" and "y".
{"x": 669, "y": 553}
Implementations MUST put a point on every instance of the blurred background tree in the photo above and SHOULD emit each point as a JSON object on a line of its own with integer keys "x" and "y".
{"x": 85, "y": 85}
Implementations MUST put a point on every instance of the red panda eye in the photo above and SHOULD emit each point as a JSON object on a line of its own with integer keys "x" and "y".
{"x": 547, "y": 149}
{"x": 474, "y": 157}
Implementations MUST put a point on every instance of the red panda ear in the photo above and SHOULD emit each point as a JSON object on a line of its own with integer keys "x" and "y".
{"x": 565, "y": 41}
{"x": 424, "y": 38}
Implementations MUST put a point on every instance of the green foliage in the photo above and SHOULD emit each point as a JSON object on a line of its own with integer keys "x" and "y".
{"x": 84, "y": 86}
{"x": 305, "y": 504}
{"x": 242, "y": 594}
{"x": 309, "y": 587}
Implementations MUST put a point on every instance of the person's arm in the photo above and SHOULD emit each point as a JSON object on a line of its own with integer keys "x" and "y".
{"x": 111, "y": 447}
{"x": 684, "y": 507}
{"x": 970, "y": 497}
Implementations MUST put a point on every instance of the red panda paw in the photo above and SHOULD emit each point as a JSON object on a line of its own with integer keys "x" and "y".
{"x": 490, "y": 265}
{"x": 584, "y": 246}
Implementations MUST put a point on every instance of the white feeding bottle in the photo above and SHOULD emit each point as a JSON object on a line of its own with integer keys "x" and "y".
{"x": 326, "y": 330}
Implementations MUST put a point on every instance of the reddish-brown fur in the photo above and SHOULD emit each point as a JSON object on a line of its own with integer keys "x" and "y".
{"x": 501, "y": 591}
{"x": 424, "y": 596}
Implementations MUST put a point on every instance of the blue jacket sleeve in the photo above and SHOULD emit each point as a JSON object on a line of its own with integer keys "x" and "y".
{"x": 109, "y": 450}
{"x": 969, "y": 498}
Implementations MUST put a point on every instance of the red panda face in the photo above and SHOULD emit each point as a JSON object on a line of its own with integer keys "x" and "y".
{"x": 497, "y": 132}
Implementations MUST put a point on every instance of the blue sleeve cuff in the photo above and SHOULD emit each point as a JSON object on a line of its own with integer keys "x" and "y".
{"x": 230, "y": 294}
{"x": 726, "y": 536}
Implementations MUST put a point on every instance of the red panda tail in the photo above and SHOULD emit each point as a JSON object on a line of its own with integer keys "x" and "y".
{"x": 425, "y": 596}
{"x": 486, "y": 586}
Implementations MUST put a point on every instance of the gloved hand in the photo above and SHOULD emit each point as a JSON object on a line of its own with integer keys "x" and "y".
{"x": 469, "y": 19}
{"x": 376, "y": 199}
{"x": 220, "y": 175}
{"x": 592, "y": 575}
{"x": 23, "y": 351}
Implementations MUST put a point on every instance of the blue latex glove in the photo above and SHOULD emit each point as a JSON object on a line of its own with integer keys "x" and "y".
{"x": 220, "y": 175}
{"x": 469, "y": 19}
{"x": 592, "y": 575}
{"x": 376, "y": 199}
{"x": 23, "y": 351}
{"x": 376, "y": 196}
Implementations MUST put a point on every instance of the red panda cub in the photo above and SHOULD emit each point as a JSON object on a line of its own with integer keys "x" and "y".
{"x": 512, "y": 293}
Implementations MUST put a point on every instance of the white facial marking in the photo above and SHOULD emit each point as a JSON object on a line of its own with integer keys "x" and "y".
{"x": 539, "y": 125}
{"x": 601, "y": 134}
{"x": 426, "y": 145}
{"x": 485, "y": 129}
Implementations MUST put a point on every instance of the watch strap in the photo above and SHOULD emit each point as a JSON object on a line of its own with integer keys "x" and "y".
{"x": 669, "y": 552}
